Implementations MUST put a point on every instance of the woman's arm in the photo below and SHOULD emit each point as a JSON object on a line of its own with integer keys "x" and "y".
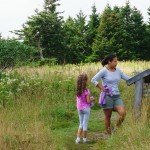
{"x": 124, "y": 76}
{"x": 100, "y": 87}
{"x": 97, "y": 77}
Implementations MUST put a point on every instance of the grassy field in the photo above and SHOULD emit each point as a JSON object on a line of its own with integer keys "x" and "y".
{"x": 38, "y": 111}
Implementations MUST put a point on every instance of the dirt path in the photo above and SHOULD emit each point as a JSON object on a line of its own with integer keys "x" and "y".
{"x": 96, "y": 133}
{"x": 94, "y": 138}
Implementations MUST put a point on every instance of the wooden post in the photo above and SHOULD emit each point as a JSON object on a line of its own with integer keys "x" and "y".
{"x": 138, "y": 97}
{"x": 146, "y": 90}
{"x": 141, "y": 79}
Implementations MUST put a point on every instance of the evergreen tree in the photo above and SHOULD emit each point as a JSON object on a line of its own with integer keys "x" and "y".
{"x": 148, "y": 15}
{"x": 80, "y": 37}
{"x": 134, "y": 32}
{"x": 146, "y": 43}
{"x": 44, "y": 31}
{"x": 91, "y": 32}
{"x": 75, "y": 38}
{"x": 69, "y": 31}
{"x": 108, "y": 39}
{"x": 121, "y": 31}
{"x": 138, "y": 33}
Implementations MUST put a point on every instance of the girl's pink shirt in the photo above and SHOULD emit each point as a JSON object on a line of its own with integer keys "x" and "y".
{"x": 82, "y": 101}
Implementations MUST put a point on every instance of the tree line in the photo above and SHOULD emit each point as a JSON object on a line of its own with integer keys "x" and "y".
{"x": 119, "y": 30}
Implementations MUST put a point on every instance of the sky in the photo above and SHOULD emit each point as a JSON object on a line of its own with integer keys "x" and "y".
{"x": 13, "y": 13}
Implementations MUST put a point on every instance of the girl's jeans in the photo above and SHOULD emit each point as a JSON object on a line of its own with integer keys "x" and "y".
{"x": 83, "y": 118}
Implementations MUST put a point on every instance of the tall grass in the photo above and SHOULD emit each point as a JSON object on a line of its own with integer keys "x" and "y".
{"x": 38, "y": 109}
{"x": 133, "y": 135}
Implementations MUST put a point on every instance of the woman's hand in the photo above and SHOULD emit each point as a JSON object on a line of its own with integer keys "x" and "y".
{"x": 103, "y": 89}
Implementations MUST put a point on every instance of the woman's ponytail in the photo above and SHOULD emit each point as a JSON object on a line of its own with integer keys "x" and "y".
{"x": 104, "y": 62}
{"x": 108, "y": 58}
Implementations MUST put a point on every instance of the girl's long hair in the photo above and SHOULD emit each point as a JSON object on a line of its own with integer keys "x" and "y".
{"x": 81, "y": 84}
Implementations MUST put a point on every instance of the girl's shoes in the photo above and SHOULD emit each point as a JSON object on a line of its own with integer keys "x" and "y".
{"x": 77, "y": 141}
{"x": 85, "y": 140}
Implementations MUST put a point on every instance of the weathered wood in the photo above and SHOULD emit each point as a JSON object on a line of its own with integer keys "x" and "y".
{"x": 146, "y": 90}
{"x": 142, "y": 89}
{"x": 138, "y": 97}
{"x": 145, "y": 74}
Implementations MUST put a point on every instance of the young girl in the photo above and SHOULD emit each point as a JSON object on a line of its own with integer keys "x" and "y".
{"x": 83, "y": 105}
{"x": 110, "y": 77}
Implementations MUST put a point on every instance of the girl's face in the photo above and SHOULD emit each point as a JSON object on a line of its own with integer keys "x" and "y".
{"x": 113, "y": 63}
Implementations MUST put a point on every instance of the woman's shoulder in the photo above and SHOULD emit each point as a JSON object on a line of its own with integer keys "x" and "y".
{"x": 119, "y": 70}
{"x": 103, "y": 69}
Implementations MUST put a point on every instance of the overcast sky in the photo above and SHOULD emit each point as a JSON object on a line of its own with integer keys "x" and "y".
{"x": 13, "y": 13}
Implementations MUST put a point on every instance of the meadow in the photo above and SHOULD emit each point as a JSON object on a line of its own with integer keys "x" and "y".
{"x": 38, "y": 110}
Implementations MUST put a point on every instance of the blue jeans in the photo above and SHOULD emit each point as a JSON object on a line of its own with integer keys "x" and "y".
{"x": 83, "y": 118}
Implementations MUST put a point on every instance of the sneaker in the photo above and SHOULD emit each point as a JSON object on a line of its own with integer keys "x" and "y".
{"x": 77, "y": 141}
{"x": 86, "y": 141}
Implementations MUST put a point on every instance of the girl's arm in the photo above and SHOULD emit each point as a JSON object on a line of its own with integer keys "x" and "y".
{"x": 89, "y": 100}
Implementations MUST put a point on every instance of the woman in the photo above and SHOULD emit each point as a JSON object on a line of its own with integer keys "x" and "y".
{"x": 110, "y": 77}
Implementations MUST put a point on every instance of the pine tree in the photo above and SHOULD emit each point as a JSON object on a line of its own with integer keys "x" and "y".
{"x": 44, "y": 31}
{"x": 75, "y": 38}
{"x": 91, "y": 32}
{"x": 69, "y": 31}
{"x": 108, "y": 39}
{"x": 134, "y": 32}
